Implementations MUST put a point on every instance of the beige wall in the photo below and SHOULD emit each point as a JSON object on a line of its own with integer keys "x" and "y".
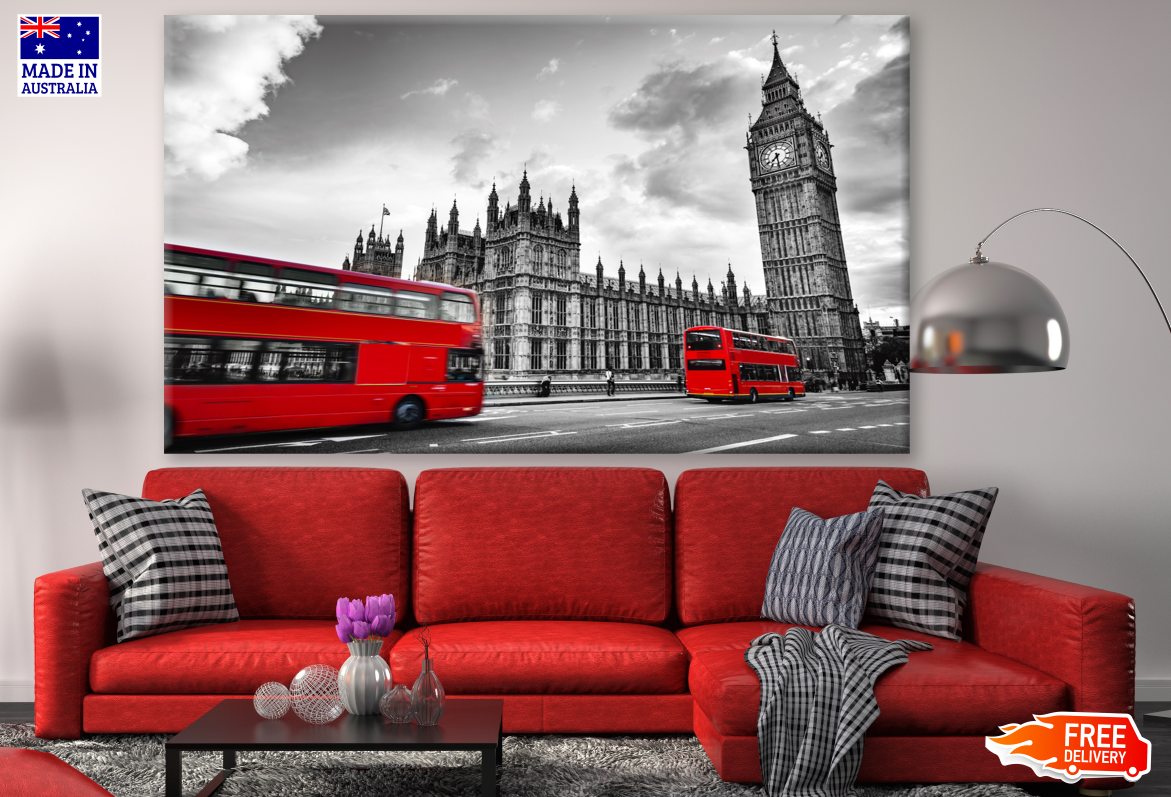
{"x": 1015, "y": 105}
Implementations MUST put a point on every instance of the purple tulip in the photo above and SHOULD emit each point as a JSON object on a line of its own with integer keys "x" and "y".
{"x": 361, "y": 629}
{"x": 389, "y": 599}
{"x": 357, "y": 611}
{"x": 345, "y": 627}
{"x": 383, "y": 624}
{"x": 343, "y": 608}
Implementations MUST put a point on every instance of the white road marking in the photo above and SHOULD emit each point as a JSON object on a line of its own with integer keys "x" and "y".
{"x": 741, "y": 445}
{"x": 719, "y": 417}
{"x": 628, "y": 412}
{"x": 481, "y": 418}
{"x": 363, "y": 451}
{"x": 867, "y": 427}
{"x": 296, "y": 444}
{"x": 884, "y": 424}
{"x": 642, "y": 425}
{"x": 508, "y": 438}
{"x": 780, "y": 412}
{"x": 901, "y": 423}
{"x": 821, "y": 431}
{"x": 848, "y": 429}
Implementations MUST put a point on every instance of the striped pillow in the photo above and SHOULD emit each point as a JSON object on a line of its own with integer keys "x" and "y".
{"x": 821, "y": 569}
{"x": 163, "y": 562}
{"x": 926, "y": 557}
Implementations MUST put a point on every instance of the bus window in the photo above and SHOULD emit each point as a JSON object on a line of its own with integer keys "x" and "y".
{"x": 793, "y": 374}
{"x": 355, "y": 298}
{"x": 413, "y": 304}
{"x": 180, "y": 282}
{"x": 704, "y": 340}
{"x": 257, "y": 282}
{"x": 238, "y": 359}
{"x": 757, "y": 372}
{"x": 457, "y": 307}
{"x": 191, "y": 260}
{"x": 217, "y": 287}
{"x": 705, "y": 365}
{"x": 463, "y": 365}
{"x": 297, "y": 361}
{"x": 303, "y": 288}
{"x": 187, "y": 359}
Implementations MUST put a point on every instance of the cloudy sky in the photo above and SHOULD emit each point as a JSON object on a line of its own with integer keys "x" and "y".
{"x": 285, "y": 135}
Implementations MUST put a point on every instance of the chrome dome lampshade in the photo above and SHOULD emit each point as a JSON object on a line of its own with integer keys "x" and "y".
{"x": 987, "y": 318}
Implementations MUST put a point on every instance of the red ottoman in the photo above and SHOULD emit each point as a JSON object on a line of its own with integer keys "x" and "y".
{"x": 31, "y": 773}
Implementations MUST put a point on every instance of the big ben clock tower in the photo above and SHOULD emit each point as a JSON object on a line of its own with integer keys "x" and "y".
{"x": 806, "y": 282}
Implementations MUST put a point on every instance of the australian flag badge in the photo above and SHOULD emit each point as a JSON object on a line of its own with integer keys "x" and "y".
{"x": 60, "y": 56}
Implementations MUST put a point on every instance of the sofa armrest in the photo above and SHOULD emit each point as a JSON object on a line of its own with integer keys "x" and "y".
{"x": 1082, "y": 635}
{"x": 72, "y": 618}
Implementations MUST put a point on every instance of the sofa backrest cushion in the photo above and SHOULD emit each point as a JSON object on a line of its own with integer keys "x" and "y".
{"x": 728, "y": 521}
{"x": 542, "y": 544}
{"x": 297, "y": 539}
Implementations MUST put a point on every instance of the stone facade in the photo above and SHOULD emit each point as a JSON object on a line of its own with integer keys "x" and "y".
{"x": 377, "y": 257}
{"x": 806, "y": 281}
{"x": 543, "y": 315}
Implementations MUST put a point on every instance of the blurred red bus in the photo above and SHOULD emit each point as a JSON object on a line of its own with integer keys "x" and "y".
{"x": 727, "y": 364}
{"x": 255, "y": 345}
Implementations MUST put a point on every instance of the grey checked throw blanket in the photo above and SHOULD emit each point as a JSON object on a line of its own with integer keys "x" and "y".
{"x": 816, "y": 702}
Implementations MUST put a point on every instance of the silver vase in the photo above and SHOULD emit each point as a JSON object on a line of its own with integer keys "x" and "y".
{"x": 364, "y": 678}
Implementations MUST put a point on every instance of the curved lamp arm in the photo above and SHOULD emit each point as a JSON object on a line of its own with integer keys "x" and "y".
{"x": 979, "y": 258}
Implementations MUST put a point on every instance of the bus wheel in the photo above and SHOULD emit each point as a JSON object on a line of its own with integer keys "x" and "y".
{"x": 409, "y": 414}
{"x": 792, "y": 394}
{"x": 168, "y": 428}
{"x": 753, "y": 397}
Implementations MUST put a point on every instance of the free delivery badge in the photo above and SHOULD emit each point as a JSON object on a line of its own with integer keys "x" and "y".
{"x": 1072, "y": 745}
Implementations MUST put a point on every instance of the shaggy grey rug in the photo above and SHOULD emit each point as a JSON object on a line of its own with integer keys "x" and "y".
{"x": 534, "y": 766}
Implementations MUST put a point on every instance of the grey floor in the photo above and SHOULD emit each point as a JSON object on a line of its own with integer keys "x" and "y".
{"x": 1156, "y": 782}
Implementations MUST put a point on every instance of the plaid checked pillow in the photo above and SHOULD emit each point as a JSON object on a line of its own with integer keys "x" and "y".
{"x": 821, "y": 569}
{"x": 926, "y": 557}
{"x": 163, "y": 562}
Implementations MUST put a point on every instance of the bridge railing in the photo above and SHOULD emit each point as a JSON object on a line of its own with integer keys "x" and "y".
{"x": 532, "y": 388}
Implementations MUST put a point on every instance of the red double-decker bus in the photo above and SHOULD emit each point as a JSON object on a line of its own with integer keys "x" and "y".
{"x": 253, "y": 344}
{"x": 728, "y": 364}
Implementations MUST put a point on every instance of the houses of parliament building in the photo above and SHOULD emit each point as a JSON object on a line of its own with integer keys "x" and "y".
{"x": 543, "y": 314}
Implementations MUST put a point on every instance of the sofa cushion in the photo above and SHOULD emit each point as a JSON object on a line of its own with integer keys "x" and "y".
{"x": 728, "y": 521}
{"x": 163, "y": 563}
{"x": 235, "y": 658}
{"x": 542, "y": 544}
{"x": 957, "y": 689}
{"x": 821, "y": 569}
{"x": 297, "y": 539}
{"x": 553, "y": 657}
{"x": 927, "y": 555}
{"x": 35, "y": 772}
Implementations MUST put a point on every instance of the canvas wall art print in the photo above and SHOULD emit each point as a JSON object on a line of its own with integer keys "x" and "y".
{"x": 536, "y": 234}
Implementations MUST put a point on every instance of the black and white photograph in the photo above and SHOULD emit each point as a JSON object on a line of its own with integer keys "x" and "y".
{"x": 536, "y": 234}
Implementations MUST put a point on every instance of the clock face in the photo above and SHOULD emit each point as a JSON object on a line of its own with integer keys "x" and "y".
{"x": 822, "y": 155}
{"x": 777, "y": 155}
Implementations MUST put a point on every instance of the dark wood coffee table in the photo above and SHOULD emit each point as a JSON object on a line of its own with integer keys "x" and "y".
{"x": 467, "y": 724}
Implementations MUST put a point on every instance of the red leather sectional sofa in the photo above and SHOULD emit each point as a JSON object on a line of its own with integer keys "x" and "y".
{"x": 580, "y": 595}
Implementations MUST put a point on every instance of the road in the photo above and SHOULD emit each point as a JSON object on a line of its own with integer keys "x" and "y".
{"x": 826, "y": 423}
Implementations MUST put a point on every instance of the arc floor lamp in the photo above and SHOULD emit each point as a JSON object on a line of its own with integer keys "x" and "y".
{"x": 993, "y": 318}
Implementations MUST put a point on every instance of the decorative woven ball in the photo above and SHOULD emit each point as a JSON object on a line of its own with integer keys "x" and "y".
{"x": 315, "y": 695}
{"x": 395, "y": 705}
{"x": 271, "y": 701}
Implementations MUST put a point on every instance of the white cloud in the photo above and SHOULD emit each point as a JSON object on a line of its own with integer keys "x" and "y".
{"x": 477, "y": 106}
{"x": 545, "y": 110}
{"x": 438, "y": 88}
{"x": 549, "y": 68}
{"x": 218, "y": 70}
{"x": 716, "y": 40}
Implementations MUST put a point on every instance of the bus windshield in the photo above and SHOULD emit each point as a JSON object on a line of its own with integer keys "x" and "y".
{"x": 704, "y": 340}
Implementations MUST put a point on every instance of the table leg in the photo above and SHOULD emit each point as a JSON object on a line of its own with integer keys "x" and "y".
{"x": 229, "y": 759}
{"x": 174, "y": 773}
{"x": 487, "y": 771}
{"x": 499, "y": 756}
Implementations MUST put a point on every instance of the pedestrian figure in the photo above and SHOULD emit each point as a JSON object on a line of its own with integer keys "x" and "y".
{"x": 610, "y": 390}
{"x": 679, "y": 382}
{"x": 546, "y": 386}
